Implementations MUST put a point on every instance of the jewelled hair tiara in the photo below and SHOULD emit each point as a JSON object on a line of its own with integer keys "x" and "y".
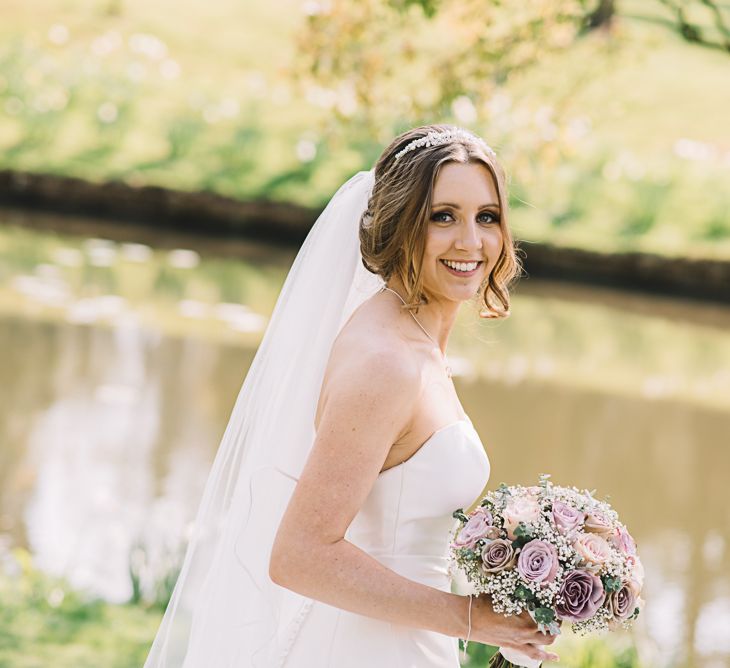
{"x": 437, "y": 138}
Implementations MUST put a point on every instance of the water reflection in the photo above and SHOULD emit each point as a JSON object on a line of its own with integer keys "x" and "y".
{"x": 120, "y": 370}
{"x": 665, "y": 465}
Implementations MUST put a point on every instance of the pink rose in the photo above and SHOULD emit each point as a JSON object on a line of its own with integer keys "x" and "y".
{"x": 637, "y": 569}
{"x": 622, "y": 540}
{"x": 518, "y": 510}
{"x": 591, "y": 548}
{"x": 477, "y": 526}
{"x": 597, "y": 522}
{"x": 567, "y": 519}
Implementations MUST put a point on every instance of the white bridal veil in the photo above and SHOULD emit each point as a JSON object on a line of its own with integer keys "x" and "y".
{"x": 225, "y": 611}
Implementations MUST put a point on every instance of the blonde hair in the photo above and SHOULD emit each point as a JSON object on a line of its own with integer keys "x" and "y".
{"x": 394, "y": 226}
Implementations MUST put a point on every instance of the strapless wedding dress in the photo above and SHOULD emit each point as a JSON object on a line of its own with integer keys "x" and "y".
{"x": 405, "y": 524}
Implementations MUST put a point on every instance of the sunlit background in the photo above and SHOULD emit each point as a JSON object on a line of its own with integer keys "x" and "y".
{"x": 123, "y": 345}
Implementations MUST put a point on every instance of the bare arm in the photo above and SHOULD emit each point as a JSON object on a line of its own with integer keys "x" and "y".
{"x": 368, "y": 406}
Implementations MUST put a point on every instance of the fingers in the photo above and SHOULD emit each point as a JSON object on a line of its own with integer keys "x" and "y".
{"x": 541, "y": 654}
{"x": 535, "y": 652}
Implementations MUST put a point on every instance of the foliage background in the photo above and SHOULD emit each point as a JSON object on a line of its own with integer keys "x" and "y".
{"x": 612, "y": 125}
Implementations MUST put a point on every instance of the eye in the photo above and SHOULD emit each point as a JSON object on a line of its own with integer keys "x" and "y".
{"x": 489, "y": 217}
{"x": 438, "y": 216}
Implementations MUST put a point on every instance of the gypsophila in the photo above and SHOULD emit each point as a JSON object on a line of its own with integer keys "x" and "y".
{"x": 558, "y": 552}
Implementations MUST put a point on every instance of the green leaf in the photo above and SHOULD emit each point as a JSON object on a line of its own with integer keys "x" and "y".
{"x": 523, "y": 593}
{"x": 611, "y": 584}
{"x": 523, "y": 531}
{"x": 459, "y": 515}
{"x": 544, "y": 615}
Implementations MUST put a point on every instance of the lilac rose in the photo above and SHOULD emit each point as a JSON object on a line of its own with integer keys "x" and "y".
{"x": 497, "y": 555}
{"x": 581, "y": 595}
{"x": 566, "y": 517}
{"x": 538, "y": 561}
{"x": 478, "y": 526}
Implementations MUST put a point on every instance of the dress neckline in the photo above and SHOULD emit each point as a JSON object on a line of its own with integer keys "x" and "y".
{"x": 467, "y": 421}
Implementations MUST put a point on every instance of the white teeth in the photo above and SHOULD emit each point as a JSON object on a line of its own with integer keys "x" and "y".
{"x": 461, "y": 266}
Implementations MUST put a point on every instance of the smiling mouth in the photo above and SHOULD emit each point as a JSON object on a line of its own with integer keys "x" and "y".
{"x": 462, "y": 268}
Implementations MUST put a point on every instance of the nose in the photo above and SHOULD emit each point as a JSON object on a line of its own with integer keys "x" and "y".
{"x": 469, "y": 237}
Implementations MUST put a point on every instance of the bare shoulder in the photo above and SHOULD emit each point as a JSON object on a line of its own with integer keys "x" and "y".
{"x": 371, "y": 365}
{"x": 368, "y": 396}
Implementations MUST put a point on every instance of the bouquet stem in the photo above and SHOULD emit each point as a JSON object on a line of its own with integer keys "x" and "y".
{"x": 511, "y": 658}
{"x": 498, "y": 661}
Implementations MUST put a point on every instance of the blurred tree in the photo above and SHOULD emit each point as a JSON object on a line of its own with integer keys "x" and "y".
{"x": 601, "y": 16}
{"x": 710, "y": 27}
{"x": 377, "y": 60}
{"x": 415, "y": 59}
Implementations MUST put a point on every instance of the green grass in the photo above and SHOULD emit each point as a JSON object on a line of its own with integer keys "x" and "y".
{"x": 209, "y": 101}
{"x": 45, "y": 623}
{"x": 574, "y": 652}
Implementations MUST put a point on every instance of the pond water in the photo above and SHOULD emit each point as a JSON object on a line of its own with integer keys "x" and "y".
{"x": 121, "y": 360}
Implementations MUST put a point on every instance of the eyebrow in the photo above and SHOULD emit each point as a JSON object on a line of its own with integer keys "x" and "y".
{"x": 494, "y": 205}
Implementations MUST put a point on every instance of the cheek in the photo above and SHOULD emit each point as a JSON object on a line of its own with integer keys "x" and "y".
{"x": 493, "y": 242}
{"x": 436, "y": 244}
{"x": 495, "y": 238}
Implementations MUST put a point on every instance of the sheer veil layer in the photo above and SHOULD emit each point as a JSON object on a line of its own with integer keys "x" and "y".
{"x": 225, "y": 611}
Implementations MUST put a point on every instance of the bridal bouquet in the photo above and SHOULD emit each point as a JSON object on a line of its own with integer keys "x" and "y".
{"x": 556, "y": 552}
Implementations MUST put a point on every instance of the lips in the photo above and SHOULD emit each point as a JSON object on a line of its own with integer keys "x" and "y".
{"x": 462, "y": 274}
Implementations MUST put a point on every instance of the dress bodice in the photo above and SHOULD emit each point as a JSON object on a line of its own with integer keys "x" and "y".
{"x": 405, "y": 523}
{"x": 406, "y": 520}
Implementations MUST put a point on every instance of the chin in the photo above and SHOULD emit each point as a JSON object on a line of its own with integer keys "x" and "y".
{"x": 459, "y": 293}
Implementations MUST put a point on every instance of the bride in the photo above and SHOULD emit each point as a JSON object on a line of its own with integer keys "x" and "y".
{"x": 322, "y": 537}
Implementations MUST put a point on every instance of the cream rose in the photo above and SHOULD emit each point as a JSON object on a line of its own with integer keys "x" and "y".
{"x": 597, "y": 522}
{"x": 621, "y": 604}
{"x": 522, "y": 509}
{"x": 592, "y": 548}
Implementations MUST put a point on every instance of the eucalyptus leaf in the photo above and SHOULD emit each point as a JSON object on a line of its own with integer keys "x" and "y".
{"x": 544, "y": 615}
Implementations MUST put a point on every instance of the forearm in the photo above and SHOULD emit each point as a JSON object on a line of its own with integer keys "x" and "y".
{"x": 346, "y": 577}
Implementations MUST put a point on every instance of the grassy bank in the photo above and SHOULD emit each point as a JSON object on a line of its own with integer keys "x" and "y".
{"x": 45, "y": 623}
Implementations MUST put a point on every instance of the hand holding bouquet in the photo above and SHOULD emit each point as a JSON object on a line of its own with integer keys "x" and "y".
{"x": 556, "y": 552}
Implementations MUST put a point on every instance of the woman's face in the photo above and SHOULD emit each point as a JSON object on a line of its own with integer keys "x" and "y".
{"x": 463, "y": 228}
